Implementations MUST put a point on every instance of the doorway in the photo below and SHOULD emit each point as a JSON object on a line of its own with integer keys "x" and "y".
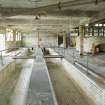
{"x": 60, "y": 40}
{"x": 2, "y": 41}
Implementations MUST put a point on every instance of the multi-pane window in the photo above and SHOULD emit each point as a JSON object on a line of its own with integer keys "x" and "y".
{"x": 9, "y": 35}
{"x": 18, "y": 36}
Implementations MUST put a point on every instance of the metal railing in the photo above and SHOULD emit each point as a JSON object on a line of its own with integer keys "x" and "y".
{"x": 92, "y": 89}
{"x": 6, "y": 54}
{"x": 92, "y": 64}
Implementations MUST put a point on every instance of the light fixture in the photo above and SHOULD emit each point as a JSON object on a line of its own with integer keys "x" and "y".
{"x": 86, "y": 25}
{"x": 59, "y": 5}
{"x": 100, "y": 25}
{"x": 37, "y": 17}
{"x": 96, "y": 25}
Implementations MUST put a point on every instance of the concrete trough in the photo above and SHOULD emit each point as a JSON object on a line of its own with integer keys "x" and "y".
{"x": 6, "y": 71}
{"x": 88, "y": 84}
{"x": 8, "y": 68}
{"x": 40, "y": 90}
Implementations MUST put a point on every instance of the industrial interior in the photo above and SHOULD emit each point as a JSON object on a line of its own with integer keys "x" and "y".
{"x": 52, "y": 52}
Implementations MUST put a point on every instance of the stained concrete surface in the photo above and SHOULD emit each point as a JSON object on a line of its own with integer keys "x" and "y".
{"x": 66, "y": 90}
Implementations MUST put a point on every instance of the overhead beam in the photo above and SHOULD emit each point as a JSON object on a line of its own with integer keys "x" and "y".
{"x": 53, "y": 9}
{"x": 33, "y": 11}
{"x": 99, "y": 19}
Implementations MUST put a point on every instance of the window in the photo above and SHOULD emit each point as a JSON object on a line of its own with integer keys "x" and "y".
{"x": 9, "y": 35}
{"x": 18, "y": 36}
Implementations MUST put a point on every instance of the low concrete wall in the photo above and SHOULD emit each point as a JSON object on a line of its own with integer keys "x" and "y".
{"x": 6, "y": 71}
{"x": 89, "y": 86}
{"x": 51, "y": 86}
{"x": 95, "y": 92}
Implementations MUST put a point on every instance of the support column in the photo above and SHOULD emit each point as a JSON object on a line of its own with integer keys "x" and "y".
{"x": 14, "y": 37}
{"x": 64, "y": 41}
{"x": 81, "y": 33}
{"x": 38, "y": 40}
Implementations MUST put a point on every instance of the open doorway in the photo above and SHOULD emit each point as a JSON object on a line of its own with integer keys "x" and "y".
{"x": 60, "y": 40}
{"x": 2, "y": 41}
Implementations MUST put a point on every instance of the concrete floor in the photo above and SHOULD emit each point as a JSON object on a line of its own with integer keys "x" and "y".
{"x": 66, "y": 90}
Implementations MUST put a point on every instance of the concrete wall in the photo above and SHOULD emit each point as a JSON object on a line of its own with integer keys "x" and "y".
{"x": 88, "y": 43}
{"x": 49, "y": 40}
{"x": 73, "y": 41}
{"x": 31, "y": 40}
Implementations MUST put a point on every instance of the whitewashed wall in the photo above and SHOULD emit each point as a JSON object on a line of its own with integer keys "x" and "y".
{"x": 31, "y": 40}
{"x": 88, "y": 42}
